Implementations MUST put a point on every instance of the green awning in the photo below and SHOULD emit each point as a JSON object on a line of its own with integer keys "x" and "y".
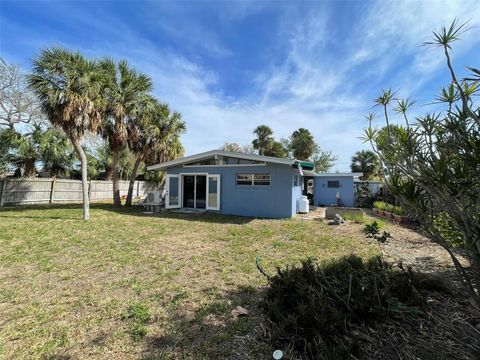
{"x": 307, "y": 165}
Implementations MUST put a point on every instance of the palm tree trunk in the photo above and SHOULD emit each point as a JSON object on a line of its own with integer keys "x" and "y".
{"x": 132, "y": 180}
{"x": 116, "y": 181}
{"x": 83, "y": 166}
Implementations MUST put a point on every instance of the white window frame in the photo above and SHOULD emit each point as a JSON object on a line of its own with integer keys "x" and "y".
{"x": 167, "y": 192}
{"x": 215, "y": 176}
{"x": 253, "y": 179}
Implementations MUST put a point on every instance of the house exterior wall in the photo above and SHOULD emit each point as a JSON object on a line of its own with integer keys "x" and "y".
{"x": 278, "y": 200}
{"x": 323, "y": 195}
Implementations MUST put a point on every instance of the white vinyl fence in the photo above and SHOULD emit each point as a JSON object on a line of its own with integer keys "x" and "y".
{"x": 49, "y": 191}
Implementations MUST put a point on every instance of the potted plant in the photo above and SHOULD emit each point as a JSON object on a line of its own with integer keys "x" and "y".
{"x": 399, "y": 215}
{"x": 378, "y": 207}
{"x": 388, "y": 211}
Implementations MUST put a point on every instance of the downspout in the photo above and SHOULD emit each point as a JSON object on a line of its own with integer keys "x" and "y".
{"x": 299, "y": 166}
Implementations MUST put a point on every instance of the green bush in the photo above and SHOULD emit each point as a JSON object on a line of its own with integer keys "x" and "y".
{"x": 371, "y": 229}
{"x": 446, "y": 227}
{"x": 380, "y": 205}
{"x": 397, "y": 210}
{"x": 383, "y": 206}
{"x": 312, "y": 306}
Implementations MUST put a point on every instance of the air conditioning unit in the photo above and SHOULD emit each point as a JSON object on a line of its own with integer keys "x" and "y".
{"x": 153, "y": 198}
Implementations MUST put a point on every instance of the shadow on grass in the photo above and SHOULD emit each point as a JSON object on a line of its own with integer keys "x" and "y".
{"x": 53, "y": 212}
{"x": 212, "y": 332}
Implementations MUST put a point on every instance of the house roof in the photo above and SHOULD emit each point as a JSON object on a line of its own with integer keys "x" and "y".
{"x": 207, "y": 154}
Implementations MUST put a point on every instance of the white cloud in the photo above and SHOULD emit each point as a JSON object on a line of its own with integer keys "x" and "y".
{"x": 309, "y": 87}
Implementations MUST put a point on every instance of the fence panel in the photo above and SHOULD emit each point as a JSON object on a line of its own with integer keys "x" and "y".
{"x": 45, "y": 191}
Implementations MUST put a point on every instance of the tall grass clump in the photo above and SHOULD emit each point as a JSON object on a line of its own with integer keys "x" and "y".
{"x": 313, "y": 307}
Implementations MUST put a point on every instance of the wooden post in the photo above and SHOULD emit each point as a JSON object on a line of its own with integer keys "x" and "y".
{"x": 4, "y": 190}
{"x": 52, "y": 190}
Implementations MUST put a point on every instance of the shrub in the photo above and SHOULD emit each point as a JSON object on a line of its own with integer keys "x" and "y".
{"x": 379, "y": 205}
{"x": 447, "y": 228}
{"x": 371, "y": 229}
{"x": 312, "y": 306}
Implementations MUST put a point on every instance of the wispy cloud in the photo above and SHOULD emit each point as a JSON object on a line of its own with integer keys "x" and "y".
{"x": 317, "y": 75}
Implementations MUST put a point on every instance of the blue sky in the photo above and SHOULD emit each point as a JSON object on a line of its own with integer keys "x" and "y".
{"x": 230, "y": 66}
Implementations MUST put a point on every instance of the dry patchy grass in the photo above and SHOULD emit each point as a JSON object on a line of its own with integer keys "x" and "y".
{"x": 129, "y": 285}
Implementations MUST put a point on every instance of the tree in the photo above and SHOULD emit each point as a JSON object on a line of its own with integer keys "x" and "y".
{"x": 276, "y": 149}
{"x": 17, "y": 103}
{"x": 56, "y": 153}
{"x": 248, "y": 149}
{"x": 154, "y": 137}
{"x": 302, "y": 144}
{"x": 366, "y": 162}
{"x": 233, "y": 147}
{"x": 263, "y": 139}
{"x": 7, "y": 142}
{"x": 25, "y": 153}
{"x": 323, "y": 159}
{"x": 125, "y": 90}
{"x": 433, "y": 166}
{"x": 68, "y": 88}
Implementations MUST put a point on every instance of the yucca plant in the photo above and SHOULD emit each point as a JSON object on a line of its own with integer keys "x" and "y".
{"x": 432, "y": 166}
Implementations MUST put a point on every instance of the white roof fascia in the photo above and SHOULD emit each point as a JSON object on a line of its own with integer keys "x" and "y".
{"x": 338, "y": 174}
{"x": 207, "y": 154}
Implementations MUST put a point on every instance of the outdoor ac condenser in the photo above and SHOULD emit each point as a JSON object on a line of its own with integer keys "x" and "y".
{"x": 154, "y": 198}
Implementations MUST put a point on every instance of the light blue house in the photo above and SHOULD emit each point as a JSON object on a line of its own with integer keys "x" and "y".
{"x": 236, "y": 184}
{"x": 332, "y": 189}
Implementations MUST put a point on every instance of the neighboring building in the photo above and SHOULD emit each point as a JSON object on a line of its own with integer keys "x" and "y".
{"x": 334, "y": 189}
{"x": 243, "y": 184}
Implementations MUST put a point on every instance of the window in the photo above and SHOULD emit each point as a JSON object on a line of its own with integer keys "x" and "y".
{"x": 261, "y": 179}
{"x": 333, "y": 184}
{"x": 244, "y": 179}
{"x": 295, "y": 180}
{"x": 253, "y": 179}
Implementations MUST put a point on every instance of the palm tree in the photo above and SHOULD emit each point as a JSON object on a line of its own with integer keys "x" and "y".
{"x": 125, "y": 90}
{"x": 365, "y": 161}
{"x": 263, "y": 140}
{"x": 154, "y": 138}
{"x": 25, "y": 152}
{"x": 56, "y": 153}
{"x": 276, "y": 149}
{"x": 68, "y": 88}
{"x": 302, "y": 144}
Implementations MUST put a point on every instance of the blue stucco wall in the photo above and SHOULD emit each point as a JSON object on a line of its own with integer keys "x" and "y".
{"x": 323, "y": 195}
{"x": 275, "y": 201}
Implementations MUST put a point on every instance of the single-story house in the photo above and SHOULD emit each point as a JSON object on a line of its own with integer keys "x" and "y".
{"x": 334, "y": 189}
{"x": 238, "y": 184}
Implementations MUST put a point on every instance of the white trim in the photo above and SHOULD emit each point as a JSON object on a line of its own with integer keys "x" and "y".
{"x": 167, "y": 192}
{"x": 218, "y": 177}
{"x": 338, "y": 174}
{"x": 207, "y": 154}
{"x": 231, "y": 165}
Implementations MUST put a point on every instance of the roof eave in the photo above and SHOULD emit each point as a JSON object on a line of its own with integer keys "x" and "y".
{"x": 206, "y": 154}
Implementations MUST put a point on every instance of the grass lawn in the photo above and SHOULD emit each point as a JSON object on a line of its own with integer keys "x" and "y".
{"x": 129, "y": 285}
